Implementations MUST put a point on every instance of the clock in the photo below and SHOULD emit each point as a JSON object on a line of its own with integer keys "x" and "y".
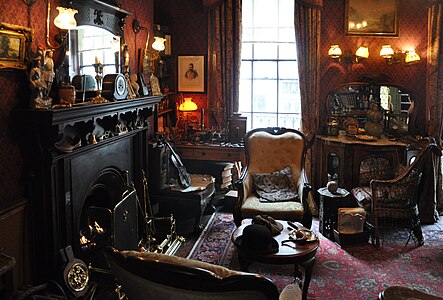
{"x": 114, "y": 87}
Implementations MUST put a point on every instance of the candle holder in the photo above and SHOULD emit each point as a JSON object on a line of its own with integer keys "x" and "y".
{"x": 99, "y": 77}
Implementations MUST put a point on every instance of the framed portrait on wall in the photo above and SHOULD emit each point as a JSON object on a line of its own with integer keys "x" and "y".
{"x": 371, "y": 17}
{"x": 191, "y": 74}
{"x": 14, "y": 44}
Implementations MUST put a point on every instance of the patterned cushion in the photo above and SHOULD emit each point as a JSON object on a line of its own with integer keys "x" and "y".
{"x": 363, "y": 196}
{"x": 276, "y": 186}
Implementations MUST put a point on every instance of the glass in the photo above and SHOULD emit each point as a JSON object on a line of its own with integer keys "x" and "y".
{"x": 289, "y": 120}
{"x": 264, "y": 120}
{"x": 264, "y": 96}
{"x": 287, "y": 51}
{"x": 287, "y": 70}
{"x": 245, "y": 95}
{"x": 265, "y": 51}
{"x": 265, "y": 70}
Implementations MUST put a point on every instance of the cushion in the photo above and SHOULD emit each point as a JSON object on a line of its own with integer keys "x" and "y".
{"x": 276, "y": 186}
{"x": 363, "y": 196}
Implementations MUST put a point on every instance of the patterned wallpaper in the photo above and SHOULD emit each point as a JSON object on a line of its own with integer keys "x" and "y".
{"x": 412, "y": 33}
{"x": 187, "y": 23}
{"x": 14, "y": 84}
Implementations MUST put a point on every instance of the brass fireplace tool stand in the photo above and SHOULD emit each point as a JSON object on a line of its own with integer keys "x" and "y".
{"x": 172, "y": 241}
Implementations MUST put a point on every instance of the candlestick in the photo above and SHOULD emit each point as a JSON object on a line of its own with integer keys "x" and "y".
{"x": 99, "y": 77}
{"x": 202, "y": 122}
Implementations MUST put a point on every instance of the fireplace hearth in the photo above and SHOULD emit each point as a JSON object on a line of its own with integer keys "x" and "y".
{"x": 86, "y": 198}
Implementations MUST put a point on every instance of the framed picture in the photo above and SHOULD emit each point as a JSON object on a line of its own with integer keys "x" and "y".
{"x": 14, "y": 45}
{"x": 371, "y": 17}
{"x": 191, "y": 74}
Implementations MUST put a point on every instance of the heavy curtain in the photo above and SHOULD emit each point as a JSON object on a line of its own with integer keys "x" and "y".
{"x": 224, "y": 46}
{"x": 307, "y": 20}
{"x": 434, "y": 93}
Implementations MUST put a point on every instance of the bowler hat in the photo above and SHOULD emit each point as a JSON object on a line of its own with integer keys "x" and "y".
{"x": 270, "y": 222}
{"x": 257, "y": 238}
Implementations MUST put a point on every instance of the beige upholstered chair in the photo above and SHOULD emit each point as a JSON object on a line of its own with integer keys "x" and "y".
{"x": 269, "y": 150}
{"x": 158, "y": 276}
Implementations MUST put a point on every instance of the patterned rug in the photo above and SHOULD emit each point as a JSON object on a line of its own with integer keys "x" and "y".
{"x": 359, "y": 272}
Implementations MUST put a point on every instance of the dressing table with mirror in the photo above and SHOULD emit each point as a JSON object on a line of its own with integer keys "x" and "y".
{"x": 363, "y": 120}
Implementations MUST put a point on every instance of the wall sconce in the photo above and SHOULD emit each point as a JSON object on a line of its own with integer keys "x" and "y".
{"x": 159, "y": 43}
{"x": 65, "y": 21}
{"x": 394, "y": 57}
{"x": 336, "y": 53}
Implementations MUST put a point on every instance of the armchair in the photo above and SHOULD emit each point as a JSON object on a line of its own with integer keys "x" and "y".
{"x": 269, "y": 150}
{"x": 151, "y": 275}
{"x": 393, "y": 202}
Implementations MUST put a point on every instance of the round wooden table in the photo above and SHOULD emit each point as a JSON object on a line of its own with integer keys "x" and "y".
{"x": 297, "y": 254}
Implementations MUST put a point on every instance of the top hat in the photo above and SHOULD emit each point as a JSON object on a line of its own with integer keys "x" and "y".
{"x": 257, "y": 238}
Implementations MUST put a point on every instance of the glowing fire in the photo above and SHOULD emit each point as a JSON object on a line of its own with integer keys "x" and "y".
{"x": 94, "y": 230}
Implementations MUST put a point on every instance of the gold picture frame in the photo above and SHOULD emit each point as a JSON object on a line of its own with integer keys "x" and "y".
{"x": 14, "y": 46}
{"x": 371, "y": 17}
{"x": 191, "y": 74}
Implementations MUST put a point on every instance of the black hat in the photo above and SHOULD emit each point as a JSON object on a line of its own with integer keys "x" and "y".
{"x": 270, "y": 222}
{"x": 257, "y": 238}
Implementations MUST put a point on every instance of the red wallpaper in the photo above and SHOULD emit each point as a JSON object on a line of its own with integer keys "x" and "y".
{"x": 188, "y": 26}
{"x": 412, "y": 33}
{"x": 14, "y": 84}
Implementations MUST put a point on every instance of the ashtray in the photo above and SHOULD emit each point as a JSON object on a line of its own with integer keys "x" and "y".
{"x": 302, "y": 235}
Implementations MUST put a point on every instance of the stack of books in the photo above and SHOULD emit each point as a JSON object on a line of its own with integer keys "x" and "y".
{"x": 226, "y": 177}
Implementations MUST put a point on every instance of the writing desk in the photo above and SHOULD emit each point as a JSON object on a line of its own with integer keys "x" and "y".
{"x": 211, "y": 152}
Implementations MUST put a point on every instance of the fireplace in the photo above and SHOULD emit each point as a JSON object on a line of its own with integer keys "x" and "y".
{"x": 86, "y": 198}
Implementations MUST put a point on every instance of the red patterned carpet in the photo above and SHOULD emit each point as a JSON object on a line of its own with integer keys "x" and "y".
{"x": 352, "y": 273}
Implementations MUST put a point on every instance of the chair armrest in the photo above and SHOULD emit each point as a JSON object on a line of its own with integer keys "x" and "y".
{"x": 244, "y": 187}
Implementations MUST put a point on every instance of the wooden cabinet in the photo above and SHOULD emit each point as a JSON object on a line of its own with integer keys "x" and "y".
{"x": 340, "y": 158}
{"x": 212, "y": 153}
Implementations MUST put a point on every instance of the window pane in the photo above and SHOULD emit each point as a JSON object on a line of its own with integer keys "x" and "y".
{"x": 287, "y": 51}
{"x": 264, "y": 95}
{"x": 264, "y": 120}
{"x": 286, "y": 35}
{"x": 246, "y": 51}
{"x": 286, "y": 13}
{"x": 289, "y": 96}
{"x": 245, "y": 70}
{"x": 289, "y": 120}
{"x": 265, "y": 34}
{"x": 245, "y": 96}
{"x": 265, "y": 70}
{"x": 265, "y": 51}
{"x": 287, "y": 70}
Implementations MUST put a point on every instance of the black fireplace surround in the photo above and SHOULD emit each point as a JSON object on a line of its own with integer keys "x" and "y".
{"x": 75, "y": 198}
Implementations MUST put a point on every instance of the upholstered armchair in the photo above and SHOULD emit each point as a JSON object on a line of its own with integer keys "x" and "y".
{"x": 391, "y": 199}
{"x": 274, "y": 182}
{"x": 158, "y": 276}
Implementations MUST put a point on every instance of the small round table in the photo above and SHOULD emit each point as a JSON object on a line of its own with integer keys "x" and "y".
{"x": 329, "y": 203}
{"x": 300, "y": 254}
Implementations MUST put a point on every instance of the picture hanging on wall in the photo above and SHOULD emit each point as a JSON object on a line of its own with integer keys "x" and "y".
{"x": 191, "y": 74}
{"x": 14, "y": 45}
{"x": 371, "y": 17}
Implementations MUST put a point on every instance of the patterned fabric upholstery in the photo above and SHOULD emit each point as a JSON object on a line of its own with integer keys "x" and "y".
{"x": 271, "y": 150}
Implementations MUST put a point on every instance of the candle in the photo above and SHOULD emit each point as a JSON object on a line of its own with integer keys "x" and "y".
{"x": 97, "y": 60}
{"x": 202, "y": 118}
{"x": 126, "y": 59}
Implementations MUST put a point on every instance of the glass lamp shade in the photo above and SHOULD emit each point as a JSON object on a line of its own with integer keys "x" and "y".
{"x": 334, "y": 51}
{"x": 159, "y": 43}
{"x": 386, "y": 51}
{"x": 188, "y": 105}
{"x": 65, "y": 19}
{"x": 362, "y": 52}
{"x": 412, "y": 57}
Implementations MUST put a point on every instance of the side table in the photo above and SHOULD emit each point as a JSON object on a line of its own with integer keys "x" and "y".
{"x": 329, "y": 203}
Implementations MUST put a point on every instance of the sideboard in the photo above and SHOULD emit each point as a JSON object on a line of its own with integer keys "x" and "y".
{"x": 339, "y": 158}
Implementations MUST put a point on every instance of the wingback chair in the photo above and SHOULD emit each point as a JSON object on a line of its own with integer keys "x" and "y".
{"x": 270, "y": 150}
{"x": 158, "y": 276}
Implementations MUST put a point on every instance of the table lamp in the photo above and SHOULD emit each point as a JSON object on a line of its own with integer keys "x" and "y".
{"x": 187, "y": 106}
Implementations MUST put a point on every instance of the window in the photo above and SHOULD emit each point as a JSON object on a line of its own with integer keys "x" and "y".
{"x": 269, "y": 86}
{"x": 88, "y": 43}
